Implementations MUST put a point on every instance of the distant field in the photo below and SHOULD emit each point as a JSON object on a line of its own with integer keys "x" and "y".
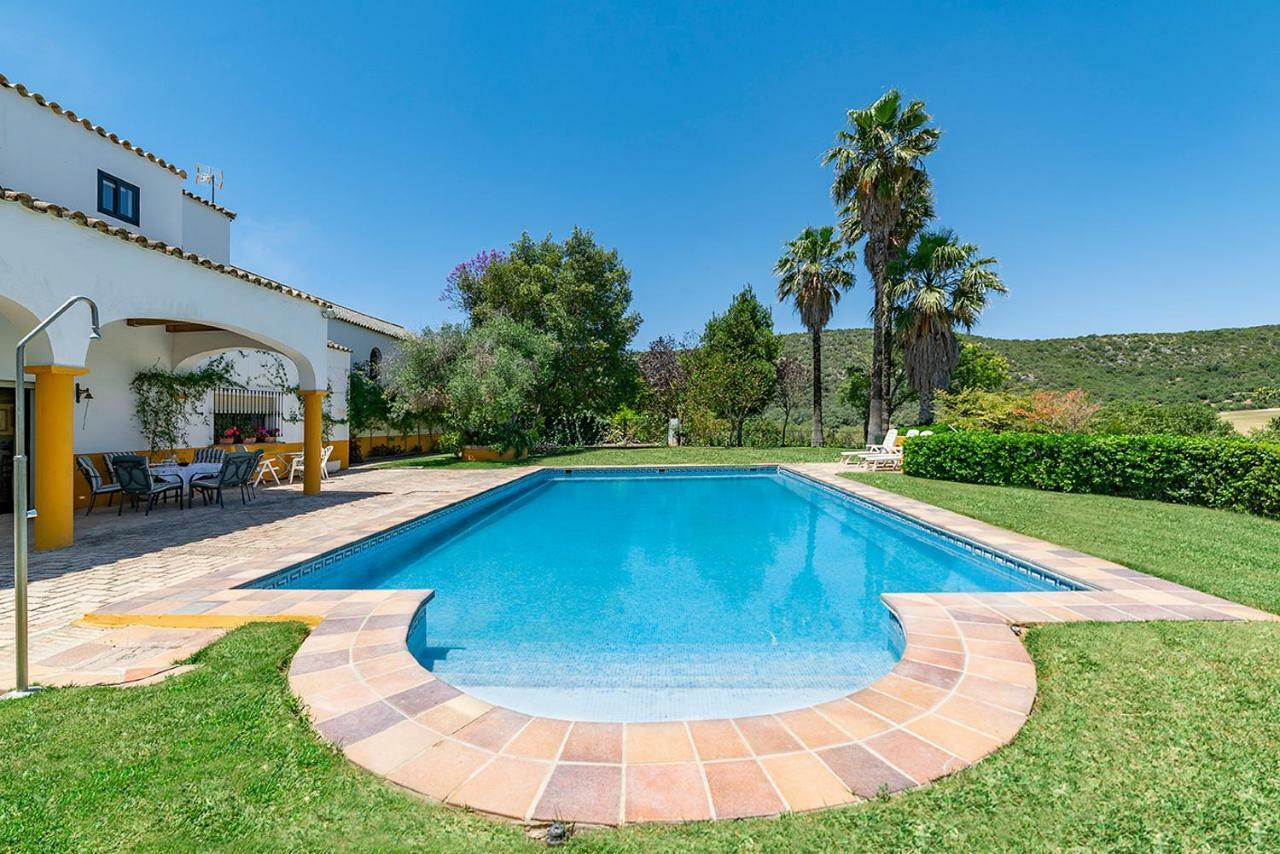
{"x": 1245, "y": 420}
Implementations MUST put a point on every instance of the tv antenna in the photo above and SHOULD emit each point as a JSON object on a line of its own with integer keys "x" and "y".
{"x": 212, "y": 177}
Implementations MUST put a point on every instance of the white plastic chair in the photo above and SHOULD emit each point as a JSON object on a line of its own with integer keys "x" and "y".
{"x": 886, "y": 447}
{"x": 890, "y": 461}
{"x": 296, "y": 466}
{"x": 267, "y": 468}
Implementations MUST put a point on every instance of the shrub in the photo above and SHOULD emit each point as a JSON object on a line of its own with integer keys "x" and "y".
{"x": 578, "y": 429}
{"x": 1232, "y": 474}
{"x": 1179, "y": 419}
{"x": 628, "y": 427}
{"x": 1057, "y": 411}
{"x": 975, "y": 409}
{"x": 450, "y": 442}
{"x": 843, "y": 437}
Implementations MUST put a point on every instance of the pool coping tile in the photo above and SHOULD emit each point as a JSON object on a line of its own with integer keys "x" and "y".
{"x": 963, "y": 688}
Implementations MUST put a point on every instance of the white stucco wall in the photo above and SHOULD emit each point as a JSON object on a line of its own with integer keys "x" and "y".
{"x": 339, "y": 366}
{"x": 205, "y": 231}
{"x": 51, "y": 158}
{"x": 44, "y": 260}
{"x": 361, "y": 340}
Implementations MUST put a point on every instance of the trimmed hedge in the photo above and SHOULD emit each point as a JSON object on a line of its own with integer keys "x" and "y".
{"x": 1233, "y": 474}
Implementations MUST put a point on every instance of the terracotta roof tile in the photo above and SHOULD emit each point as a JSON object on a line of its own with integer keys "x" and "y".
{"x": 227, "y": 212}
{"x": 334, "y": 345}
{"x": 88, "y": 125}
{"x": 368, "y": 321}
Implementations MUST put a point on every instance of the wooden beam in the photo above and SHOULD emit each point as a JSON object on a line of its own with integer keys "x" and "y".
{"x": 173, "y": 326}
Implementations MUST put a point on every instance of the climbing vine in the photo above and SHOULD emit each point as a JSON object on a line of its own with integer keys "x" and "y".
{"x": 165, "y": 402}
{"x": 277, "y": 376}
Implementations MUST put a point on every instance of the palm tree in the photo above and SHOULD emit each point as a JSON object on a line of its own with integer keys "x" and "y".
{"x": 813, "y": 273}
{"x": 878, "y": 163}
{"x": 937, "y": 285}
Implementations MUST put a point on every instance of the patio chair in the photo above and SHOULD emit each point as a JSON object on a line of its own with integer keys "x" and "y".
{"x": 890, "y": 442}
{"x": 888, "y": 461}
{"x": 296, "y": 465}
{"x": 108, "y": 460}
{"x": 209, "y": 455}
{"x": 251, "y": 471}
{"x": 96, "y": 485}
{"x": 235, "y": 471}
{"x": 266, "y": 468}
{"x": 133, "y": 475}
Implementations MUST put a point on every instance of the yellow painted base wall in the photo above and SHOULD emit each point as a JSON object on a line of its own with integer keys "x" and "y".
{"x": 427, "y": 441}
{"x": 340, "y": 454}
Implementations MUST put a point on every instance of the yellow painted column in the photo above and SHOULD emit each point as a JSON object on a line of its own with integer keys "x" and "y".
{"x": 312, "y": 437}
{"x": 53, "y": 452}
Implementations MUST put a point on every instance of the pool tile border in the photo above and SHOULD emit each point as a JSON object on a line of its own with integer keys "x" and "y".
{"x": 963, "y": 688}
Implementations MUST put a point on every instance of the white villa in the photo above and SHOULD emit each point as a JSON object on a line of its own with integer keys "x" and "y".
{"x": 84, "y": 211}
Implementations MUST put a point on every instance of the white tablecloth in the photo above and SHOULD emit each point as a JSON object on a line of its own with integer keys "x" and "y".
{"x": 169, "y": 471}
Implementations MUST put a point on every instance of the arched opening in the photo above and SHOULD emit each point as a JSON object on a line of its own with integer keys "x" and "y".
{"x": 375, "y": 363}
{"x": 15, "y": 321}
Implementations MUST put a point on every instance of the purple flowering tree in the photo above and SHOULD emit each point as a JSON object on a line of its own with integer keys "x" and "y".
{"x": 460, "y": 289}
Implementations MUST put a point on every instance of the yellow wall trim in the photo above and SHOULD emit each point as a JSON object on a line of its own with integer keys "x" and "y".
{"x": 193, "y": 621}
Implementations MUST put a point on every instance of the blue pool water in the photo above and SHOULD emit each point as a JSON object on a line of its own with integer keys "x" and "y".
{"x": 662, "y": 594}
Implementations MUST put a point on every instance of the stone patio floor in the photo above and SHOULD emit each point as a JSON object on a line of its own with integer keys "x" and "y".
{"x": 159, "y": 588}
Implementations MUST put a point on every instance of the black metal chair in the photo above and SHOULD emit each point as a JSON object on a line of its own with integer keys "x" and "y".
{"x": 236, "y": 470}
{"x": 133, "y": 476}
{"x": 96, "y": 484}
{"x": 109, "y": 461}
{"x": 251, "y": 471}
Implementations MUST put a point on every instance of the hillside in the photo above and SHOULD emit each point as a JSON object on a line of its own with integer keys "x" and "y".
{"x": 1220, "y": 366}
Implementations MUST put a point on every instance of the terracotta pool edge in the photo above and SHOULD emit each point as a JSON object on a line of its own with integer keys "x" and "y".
{"x": 963, "y": 689}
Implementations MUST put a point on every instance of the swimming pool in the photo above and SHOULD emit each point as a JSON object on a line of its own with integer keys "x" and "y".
{"x": 661, "y": 594}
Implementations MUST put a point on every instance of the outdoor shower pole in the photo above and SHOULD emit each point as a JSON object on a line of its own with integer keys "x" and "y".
{"x": 20, "y": 512}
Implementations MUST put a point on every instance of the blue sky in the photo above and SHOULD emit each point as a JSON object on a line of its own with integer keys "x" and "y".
{"x": 1119, "y": 161}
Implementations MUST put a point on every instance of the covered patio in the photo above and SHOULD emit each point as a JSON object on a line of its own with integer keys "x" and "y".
{"x": 160, "y": 307}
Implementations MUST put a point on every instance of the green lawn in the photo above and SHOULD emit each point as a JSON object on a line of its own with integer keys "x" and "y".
{"x": 1145, "y": 735}
{"x": 1233, "y": 555}
{"x": 637, "y": 457}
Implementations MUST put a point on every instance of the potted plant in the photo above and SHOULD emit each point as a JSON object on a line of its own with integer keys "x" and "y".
{"x": 262, "y": 434}
{"x": 230, "y": 436}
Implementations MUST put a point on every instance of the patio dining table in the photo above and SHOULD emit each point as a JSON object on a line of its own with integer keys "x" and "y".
{"x": 169, "y": 471}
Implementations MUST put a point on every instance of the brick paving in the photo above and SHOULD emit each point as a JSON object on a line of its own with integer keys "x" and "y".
{"x": 963, "y": 688}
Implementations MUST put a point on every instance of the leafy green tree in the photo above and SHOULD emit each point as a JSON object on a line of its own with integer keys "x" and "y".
{"x": 789, "y": 388}
{"x": 855, "y": 392}
{"x": 813, "y": 273}
{"x": 1141, "y": 417}
{"x": 731, "y": 373}
{"x": 367, "y": 405}
{"x": 1266, "y": 396}
{"x": 878, "y": 163}
{"x": 491, "y": 392}
{"x": 938, "y": 285}
{"x": 663, "y": 375}
{"x": 975, "y": 409}
{"x": 418, "y": 377}
{"x": 577, "y": 292}
{"x": 979, "y": 367}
